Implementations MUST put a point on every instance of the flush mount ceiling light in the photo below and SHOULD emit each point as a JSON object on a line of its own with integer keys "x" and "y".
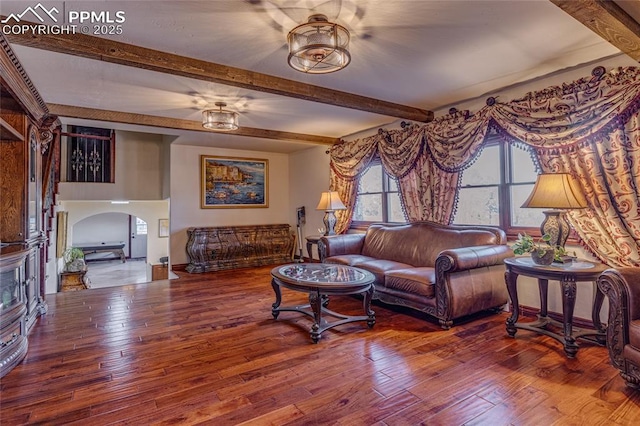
{"x": 220, "y": 119}
{"x": 319, "y": 46}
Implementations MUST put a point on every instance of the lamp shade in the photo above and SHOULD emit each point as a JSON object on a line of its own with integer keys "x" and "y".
{"x": 556, "y": 191}
{"x": 220, "y": 119}
{"x": 330, "y": 200}
{"x": 318, "y": 46}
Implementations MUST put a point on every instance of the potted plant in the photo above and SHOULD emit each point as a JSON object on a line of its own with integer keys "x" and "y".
{"x": 73, "y": 259}
{"x": 541, "y": 254}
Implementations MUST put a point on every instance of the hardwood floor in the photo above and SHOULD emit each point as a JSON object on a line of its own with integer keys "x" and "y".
{"x": 205, "y": 349}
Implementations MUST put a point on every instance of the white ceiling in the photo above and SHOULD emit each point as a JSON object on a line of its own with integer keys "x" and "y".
{"x": 422, "y": 53}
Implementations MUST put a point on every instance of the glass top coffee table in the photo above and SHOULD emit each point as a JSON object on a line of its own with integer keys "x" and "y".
{"x": 320, "y": 281}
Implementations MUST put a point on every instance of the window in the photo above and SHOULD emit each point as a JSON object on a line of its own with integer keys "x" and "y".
{"x": 90, "y": 154}
{"x": 495, "y": 186}
{"x": 378, "y": 199}
{"x": 141, "y": 226}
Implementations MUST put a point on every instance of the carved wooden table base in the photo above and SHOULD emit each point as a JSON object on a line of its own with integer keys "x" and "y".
{"x": 321, "y": 281}
{"x": 568, "y": 275}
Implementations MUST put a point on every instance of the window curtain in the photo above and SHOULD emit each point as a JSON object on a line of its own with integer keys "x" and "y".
{"x": 589, "y": 128}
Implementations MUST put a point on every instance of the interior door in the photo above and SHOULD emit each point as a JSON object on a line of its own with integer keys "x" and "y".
{"x": 138, "y": 242}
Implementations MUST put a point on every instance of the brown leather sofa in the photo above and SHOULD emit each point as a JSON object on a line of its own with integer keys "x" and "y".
{"x": 446, "y": 271}
{"x": 622, "y": 287}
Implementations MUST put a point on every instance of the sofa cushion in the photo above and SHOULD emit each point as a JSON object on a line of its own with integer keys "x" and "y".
{"x": 379, "y": 267}
{"x": 413, "y": 280}
{"x": 348, "y": 259}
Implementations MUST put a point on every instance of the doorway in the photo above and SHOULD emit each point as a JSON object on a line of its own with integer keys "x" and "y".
{"x": 138, "y": 241}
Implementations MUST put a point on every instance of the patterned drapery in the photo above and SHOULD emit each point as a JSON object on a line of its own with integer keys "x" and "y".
{"x": 589, "y": 128}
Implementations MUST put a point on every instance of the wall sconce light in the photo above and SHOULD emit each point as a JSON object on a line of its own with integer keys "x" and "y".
{"x": 330, "y": 202}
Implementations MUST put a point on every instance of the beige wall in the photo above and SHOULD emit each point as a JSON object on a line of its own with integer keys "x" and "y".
{"x": 308, "y": 177}
{"x": 140, "y": 171}
{"x": 185, "y": 196}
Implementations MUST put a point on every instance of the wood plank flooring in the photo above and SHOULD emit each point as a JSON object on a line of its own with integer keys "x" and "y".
{"x": 204, "y": 349}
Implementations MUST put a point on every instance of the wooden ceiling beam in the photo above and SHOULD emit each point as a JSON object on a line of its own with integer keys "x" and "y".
{"x": 178, "y": 124}
{"x": 608, "y": 20}
{"x": 106, "y": 50}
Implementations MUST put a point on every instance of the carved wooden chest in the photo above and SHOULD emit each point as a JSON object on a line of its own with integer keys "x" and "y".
{"x": 228, "y": 247}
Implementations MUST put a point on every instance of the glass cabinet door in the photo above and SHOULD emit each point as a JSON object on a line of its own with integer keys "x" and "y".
{"x": 10, "y": 294}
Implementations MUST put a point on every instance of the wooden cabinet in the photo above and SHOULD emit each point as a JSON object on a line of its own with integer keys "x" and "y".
{"x": 27, "y": 165}
{"x": 73, "y": 281}
{"x": 228, "y": 247}
{"x": 13, "y": 309}
{"x": 159, "y": 272}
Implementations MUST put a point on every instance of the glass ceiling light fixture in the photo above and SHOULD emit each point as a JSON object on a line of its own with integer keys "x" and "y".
{"x": 220, "y": 119}
{"x": 318, "y": 46}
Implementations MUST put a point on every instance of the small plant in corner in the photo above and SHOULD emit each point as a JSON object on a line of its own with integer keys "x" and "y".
{"x": 73, "y": 259}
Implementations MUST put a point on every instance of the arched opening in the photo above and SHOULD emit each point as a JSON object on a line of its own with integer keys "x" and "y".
{"x": 115, "y": 246}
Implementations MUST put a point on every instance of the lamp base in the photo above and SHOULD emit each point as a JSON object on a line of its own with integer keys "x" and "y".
{"x": 329, "y": 222}
{"x": 556, "y": 226}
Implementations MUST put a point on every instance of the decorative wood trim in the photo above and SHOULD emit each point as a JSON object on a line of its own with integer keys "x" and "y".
{"x": 608, "y": 20}
{"x": 174, "y": 123}
{"x": 15, "y": 80}
{"x": 180, "y": 267}
{"x": 106, "y": 50}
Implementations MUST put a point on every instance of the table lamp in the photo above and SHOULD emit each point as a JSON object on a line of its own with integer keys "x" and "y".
{"x": 330, "y": 202}
{"x": 557, "y": 191}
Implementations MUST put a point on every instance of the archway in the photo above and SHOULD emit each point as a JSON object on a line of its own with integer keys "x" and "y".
{"x": 115, "y": 246}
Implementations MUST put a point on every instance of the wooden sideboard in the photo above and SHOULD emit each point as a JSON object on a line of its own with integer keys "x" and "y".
{"x": 228, "y": 247}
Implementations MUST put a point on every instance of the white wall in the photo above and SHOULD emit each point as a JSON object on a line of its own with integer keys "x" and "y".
{"x": 185, "y": 196}
{"x": 140, "y": 171}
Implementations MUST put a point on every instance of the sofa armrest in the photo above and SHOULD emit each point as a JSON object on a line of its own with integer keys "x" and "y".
{"x": 464, "y": 258}
{"x": 335, "y": 245}
{"x": 622, "y": 288}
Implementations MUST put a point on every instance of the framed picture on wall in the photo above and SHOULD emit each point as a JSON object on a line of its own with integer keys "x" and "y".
{"x": 163, "y": 228}
{"x": 231, "y": 182}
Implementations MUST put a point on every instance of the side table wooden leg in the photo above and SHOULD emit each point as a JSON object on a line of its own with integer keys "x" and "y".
{"x": 543, "y": 289}
{"x": 276, "y": 304}
{"x": 568, "y": 305}
{"x": 511, "y": 280}
{"x": 310, "y": 250}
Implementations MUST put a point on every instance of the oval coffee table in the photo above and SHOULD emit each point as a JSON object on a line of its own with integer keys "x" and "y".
{"x": 320, "y": 281}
